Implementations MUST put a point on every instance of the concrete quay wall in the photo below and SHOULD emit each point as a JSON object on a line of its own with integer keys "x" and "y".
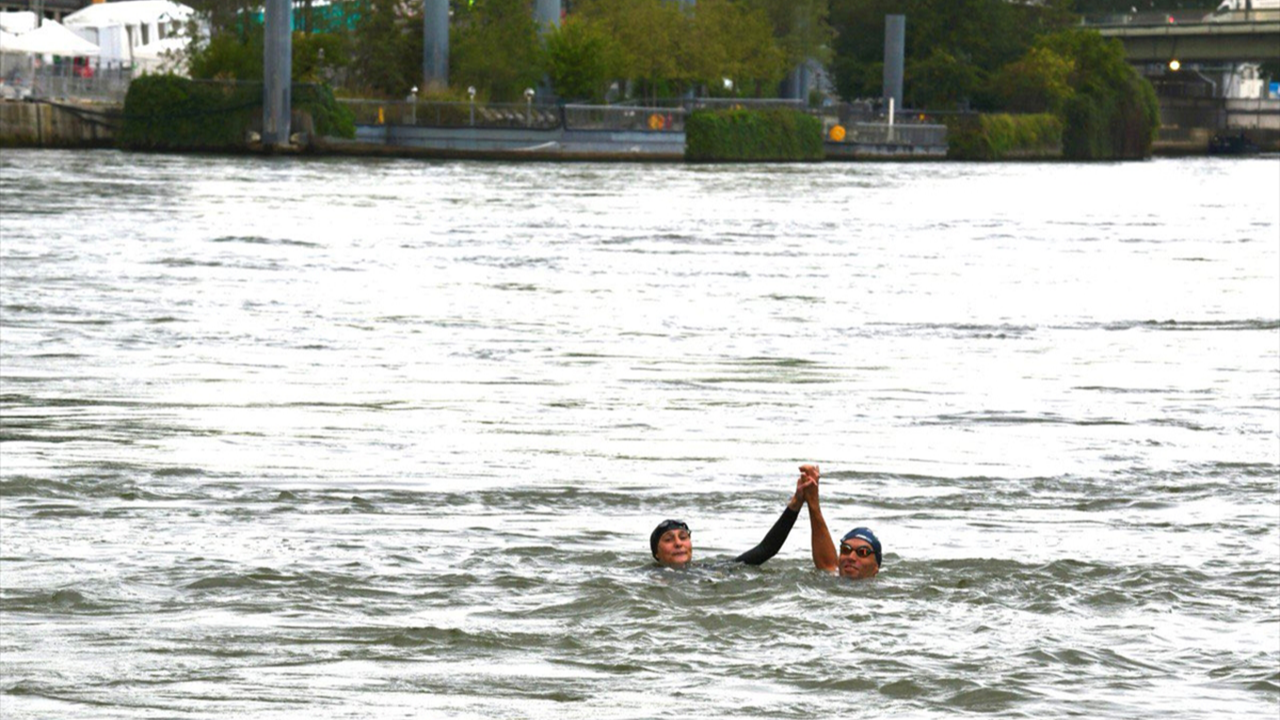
{"x": 37, "y": 124}
{"x": 561, "y": 144}
{"x": 510, "y": 143}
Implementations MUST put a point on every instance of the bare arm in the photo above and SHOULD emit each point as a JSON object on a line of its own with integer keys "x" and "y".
{"x": 824, "y": 550}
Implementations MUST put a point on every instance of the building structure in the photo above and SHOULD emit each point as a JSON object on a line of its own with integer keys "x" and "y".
{"x": 51, "y": 9}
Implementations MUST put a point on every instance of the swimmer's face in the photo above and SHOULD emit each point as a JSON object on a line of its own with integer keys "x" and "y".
{"x": 675, "y": 548}
{"x": 857, "y": 559}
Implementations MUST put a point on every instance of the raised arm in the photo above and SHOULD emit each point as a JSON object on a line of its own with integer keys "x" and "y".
{"x": 777, "y": 535}
{"x": 824, "y": 550}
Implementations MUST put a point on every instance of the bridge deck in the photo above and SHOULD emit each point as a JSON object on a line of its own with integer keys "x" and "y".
{"x": 1256, "y": 40}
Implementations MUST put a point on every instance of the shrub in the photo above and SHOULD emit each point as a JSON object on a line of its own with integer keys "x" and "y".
{"x": 774, "y": 134}
{"x": 328, "y": 117}
{"x": 997, "y": 137}
{"x": 172, "y": 113}
{"x": 166, "y": 112}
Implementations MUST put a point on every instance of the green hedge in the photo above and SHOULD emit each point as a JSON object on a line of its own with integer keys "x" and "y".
{"x": 772, "y": 134}
{"x": 328, "y": 117}
{"x": 999, "y": 137}
{"x": 167, "y": 112}
{"x": 1115, "y": 123}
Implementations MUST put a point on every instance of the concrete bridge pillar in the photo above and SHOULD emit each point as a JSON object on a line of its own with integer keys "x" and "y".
{"x": 547, "y": 14}
{"x": 895, "y": 44}
{"x": 435, "y": 44}
{"x": 277, "y": 66}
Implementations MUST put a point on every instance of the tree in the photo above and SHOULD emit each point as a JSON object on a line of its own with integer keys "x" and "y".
{"x": 978, "y": 36}
{"x": 941, "y": 81}
{"x": 1039, "y": 82}
{"x": 1112, "y": 112}
{"x": 386, "y": 48}
{"x": 652, "y": 41}
{"x": 801, "y": 28}
{"x": 732, "y": 40}
{"x": 495, "y": 48}
{"x": 581, "y": 60}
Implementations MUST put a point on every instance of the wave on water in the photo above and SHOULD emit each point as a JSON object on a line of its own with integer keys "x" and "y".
{"x": 1265, "y": 324}
{"x": 256, "y": 240}
{"x": 1014, "y": 418}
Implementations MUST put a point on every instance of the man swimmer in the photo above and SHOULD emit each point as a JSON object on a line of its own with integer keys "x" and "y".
{"x": 860, "y": 552}
{"x": 672, "y": 543}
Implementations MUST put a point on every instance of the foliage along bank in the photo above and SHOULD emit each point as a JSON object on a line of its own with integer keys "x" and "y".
{"x": 1000, "y": 136}
{"x": 1104, "y": 109}
{"x": 738, "y": 135}
{"x": 167, "y": 112}
{"x": 635, "y": 48}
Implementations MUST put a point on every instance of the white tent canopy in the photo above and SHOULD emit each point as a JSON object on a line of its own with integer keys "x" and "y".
{"x": 129, "y": 12}
{"x": 19, "y": 22}
{"x": 120, "y": 28}
{"x": 51, "y": 39}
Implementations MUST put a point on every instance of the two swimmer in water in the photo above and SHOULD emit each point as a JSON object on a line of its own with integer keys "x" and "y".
{"x": 859, "y": 557}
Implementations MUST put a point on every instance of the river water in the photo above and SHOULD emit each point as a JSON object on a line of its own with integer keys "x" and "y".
{"x": 341, "y": 438}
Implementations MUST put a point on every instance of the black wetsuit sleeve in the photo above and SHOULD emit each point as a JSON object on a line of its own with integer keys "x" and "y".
{"x": 772, "y": 542}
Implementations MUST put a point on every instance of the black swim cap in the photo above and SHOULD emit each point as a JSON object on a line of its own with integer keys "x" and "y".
{"x": 663, "y": 527}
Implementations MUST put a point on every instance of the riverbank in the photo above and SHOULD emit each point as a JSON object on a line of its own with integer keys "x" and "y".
{"x": 65, "y": 125}
{"x": 93, "y": 125}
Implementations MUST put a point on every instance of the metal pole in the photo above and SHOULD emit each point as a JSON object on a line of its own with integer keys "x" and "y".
{"x": 435, "y": 44}
{"x": 895, "y": 43}
{"x": 277, "y": 72}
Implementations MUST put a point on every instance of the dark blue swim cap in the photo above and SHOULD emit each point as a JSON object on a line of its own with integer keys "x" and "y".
{"x": 657, "y": 533}
{"x": 865, "y": 534}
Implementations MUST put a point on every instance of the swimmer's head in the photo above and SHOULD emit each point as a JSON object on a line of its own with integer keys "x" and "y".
{"x": 671, "y": 543}
{"x": 860, "y": 554}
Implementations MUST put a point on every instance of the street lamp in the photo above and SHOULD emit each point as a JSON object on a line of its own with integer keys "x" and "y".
{"x": 471, "y": 93}
{"x": 528, "y": 106}
{"x": 413, "y": 106}
{"x": 1174, "y": 65}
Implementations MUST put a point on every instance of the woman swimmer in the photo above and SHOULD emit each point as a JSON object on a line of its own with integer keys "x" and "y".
{"x": 672, "y": 544}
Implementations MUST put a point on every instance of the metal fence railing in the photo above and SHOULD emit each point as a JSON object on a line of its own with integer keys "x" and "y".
{"x": 454, "y": 114}
{"x": 863, "y": 124}
{"x": 747, "y": 103}
{"x": 624, "y": 118}
{"x": 897, "y": 134}
{"x": 65, "y": 82}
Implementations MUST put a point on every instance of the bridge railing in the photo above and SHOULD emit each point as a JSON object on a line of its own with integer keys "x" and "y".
{"x": 1179, "y": 17}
